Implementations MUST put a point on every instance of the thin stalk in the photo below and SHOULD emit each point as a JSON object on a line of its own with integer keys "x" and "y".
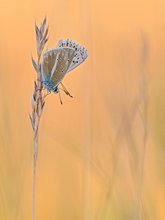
{"x": 143, "y": 112}
{"x": 34, "y": 178}
{"x": 37, "y": 103}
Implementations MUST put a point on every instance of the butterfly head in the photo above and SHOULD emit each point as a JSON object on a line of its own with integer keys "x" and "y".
{"x": 49, "y": 85}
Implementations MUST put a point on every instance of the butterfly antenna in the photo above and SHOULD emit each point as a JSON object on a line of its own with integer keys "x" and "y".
{"x": 65, "y": 90}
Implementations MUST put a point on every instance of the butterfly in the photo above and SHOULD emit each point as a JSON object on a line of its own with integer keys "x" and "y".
{"x": 58, "y": 62}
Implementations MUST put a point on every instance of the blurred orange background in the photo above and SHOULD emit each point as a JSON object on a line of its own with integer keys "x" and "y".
{"x": 101, "y": 154}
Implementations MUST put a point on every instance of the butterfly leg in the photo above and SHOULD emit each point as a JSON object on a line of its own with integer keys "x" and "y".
{"x": 46, "y": 94}
{"x": 60, "y": 97}
{"x": 65, "y": 90}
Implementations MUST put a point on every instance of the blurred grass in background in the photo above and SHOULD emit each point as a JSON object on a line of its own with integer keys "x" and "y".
{"x": 101, "y": 155}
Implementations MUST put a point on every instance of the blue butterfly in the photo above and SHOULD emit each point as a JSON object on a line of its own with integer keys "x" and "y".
{"x": 59, "y": 61}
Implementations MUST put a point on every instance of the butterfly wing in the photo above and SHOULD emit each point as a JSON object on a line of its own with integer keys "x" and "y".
{"x": 56, "y": 63}
{"x": 49, "y": 58}
{"x": 80, "y": 52}
{"x": 65, "y": 58}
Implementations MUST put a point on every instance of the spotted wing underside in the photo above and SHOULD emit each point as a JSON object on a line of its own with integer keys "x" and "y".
{"x": 80, "y": 52}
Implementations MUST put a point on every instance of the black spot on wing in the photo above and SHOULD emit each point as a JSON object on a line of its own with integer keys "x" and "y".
{"x": 65, "y": 58}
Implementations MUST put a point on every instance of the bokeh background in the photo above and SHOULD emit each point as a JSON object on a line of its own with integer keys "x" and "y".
{"x": 101, "y": 154}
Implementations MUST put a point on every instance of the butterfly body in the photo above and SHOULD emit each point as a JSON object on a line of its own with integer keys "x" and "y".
{"x": 59, "y": 61}
{"x": 49, "y": 85}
